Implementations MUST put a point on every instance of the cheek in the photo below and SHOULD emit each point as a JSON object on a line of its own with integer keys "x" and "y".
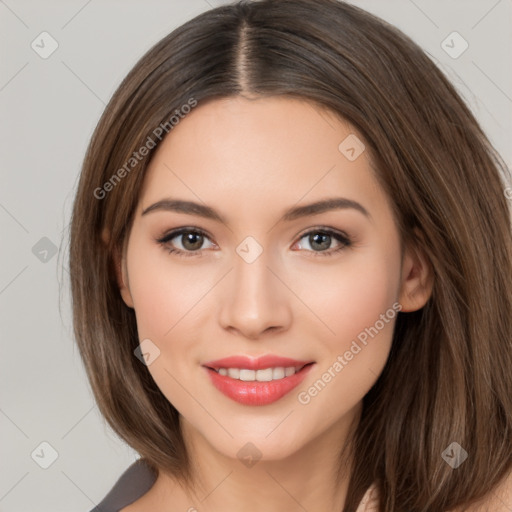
{"x": 166, "y": 297}
{"x": 355, "y": 300}
{"x": 168, "y": 302}
{"x": 353, "y": 295}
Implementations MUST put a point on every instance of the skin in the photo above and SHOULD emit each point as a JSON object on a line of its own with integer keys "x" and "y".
{"x": 250, "y": 160}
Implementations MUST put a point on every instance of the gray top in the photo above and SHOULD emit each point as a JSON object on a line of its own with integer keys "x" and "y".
{"x": 130, "y": 486}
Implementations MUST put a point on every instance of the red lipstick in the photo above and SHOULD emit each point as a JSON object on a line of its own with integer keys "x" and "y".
{"x": 243, "y": 387}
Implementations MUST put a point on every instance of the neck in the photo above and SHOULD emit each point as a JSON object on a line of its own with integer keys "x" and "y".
{"x": 307, "y": 479}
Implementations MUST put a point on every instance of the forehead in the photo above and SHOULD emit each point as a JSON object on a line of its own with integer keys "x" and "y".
{"x": 257, "y": 154}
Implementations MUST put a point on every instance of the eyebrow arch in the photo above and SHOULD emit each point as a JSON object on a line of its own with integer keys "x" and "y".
{"x": 192, "y": 208}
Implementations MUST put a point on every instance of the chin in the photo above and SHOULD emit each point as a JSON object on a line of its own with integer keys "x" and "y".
{"x": 258, "y": 445}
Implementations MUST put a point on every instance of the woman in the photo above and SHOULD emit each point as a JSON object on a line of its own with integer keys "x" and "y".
{"x": 291, "y": 262}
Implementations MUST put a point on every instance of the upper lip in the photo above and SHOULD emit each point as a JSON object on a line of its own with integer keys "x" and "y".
{"x": 258, "y": 363}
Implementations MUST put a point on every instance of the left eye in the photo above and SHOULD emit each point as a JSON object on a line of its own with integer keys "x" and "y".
{"x": 192, "y": 241}
{"x": 320, "y": 240}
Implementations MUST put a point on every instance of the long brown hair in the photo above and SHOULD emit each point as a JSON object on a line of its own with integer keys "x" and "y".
{"x": 448, "y": 377}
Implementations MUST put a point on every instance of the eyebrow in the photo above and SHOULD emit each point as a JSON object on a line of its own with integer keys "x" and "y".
{"x": 296, "y": 212}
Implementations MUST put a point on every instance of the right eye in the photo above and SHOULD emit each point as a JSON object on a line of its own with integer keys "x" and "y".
{"x": 190, "y": 239}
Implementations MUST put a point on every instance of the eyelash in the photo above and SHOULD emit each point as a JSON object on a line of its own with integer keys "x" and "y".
{"x": 165, "y": 239}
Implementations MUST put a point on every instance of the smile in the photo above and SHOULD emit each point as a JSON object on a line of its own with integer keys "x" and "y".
{"x": 259, "y": 381}
{"x": 265, "y": 375}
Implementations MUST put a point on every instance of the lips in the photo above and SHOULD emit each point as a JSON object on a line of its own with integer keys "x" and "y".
{"x": 257, "y": 381}
{"x": 268, "y": 361}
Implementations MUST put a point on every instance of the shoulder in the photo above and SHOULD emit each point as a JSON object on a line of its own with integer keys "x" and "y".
{"x": 498, "y": 500}
{"x": 370, "y": 501}
{"x": 134, "y": 483}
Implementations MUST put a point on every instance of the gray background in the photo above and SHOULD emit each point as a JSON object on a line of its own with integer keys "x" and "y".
{"x": 49, "y": 108}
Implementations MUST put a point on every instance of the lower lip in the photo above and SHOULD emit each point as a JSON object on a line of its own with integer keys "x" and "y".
{"x": 257, "y": 393}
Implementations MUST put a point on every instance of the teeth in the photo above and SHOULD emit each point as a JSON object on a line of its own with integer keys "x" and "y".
{"x": 234, "y": 373}
{"x": 279, "y": 373}
{"x": 289, "y": 371}
{"x": 247, "y": 375}
{"x": 265, "y": 375}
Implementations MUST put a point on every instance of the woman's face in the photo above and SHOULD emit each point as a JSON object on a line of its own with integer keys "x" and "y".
{"x": 263, "y": 274}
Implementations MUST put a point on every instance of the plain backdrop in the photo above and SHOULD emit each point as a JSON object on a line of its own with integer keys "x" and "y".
{"x": 49, "y": 108}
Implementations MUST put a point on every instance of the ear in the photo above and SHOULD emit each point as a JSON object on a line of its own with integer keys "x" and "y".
{"x": 119, "y": 260}
{"x": 417, "y": 278}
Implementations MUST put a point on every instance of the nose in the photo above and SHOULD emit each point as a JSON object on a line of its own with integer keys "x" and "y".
{"x": 254, "y": 301}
